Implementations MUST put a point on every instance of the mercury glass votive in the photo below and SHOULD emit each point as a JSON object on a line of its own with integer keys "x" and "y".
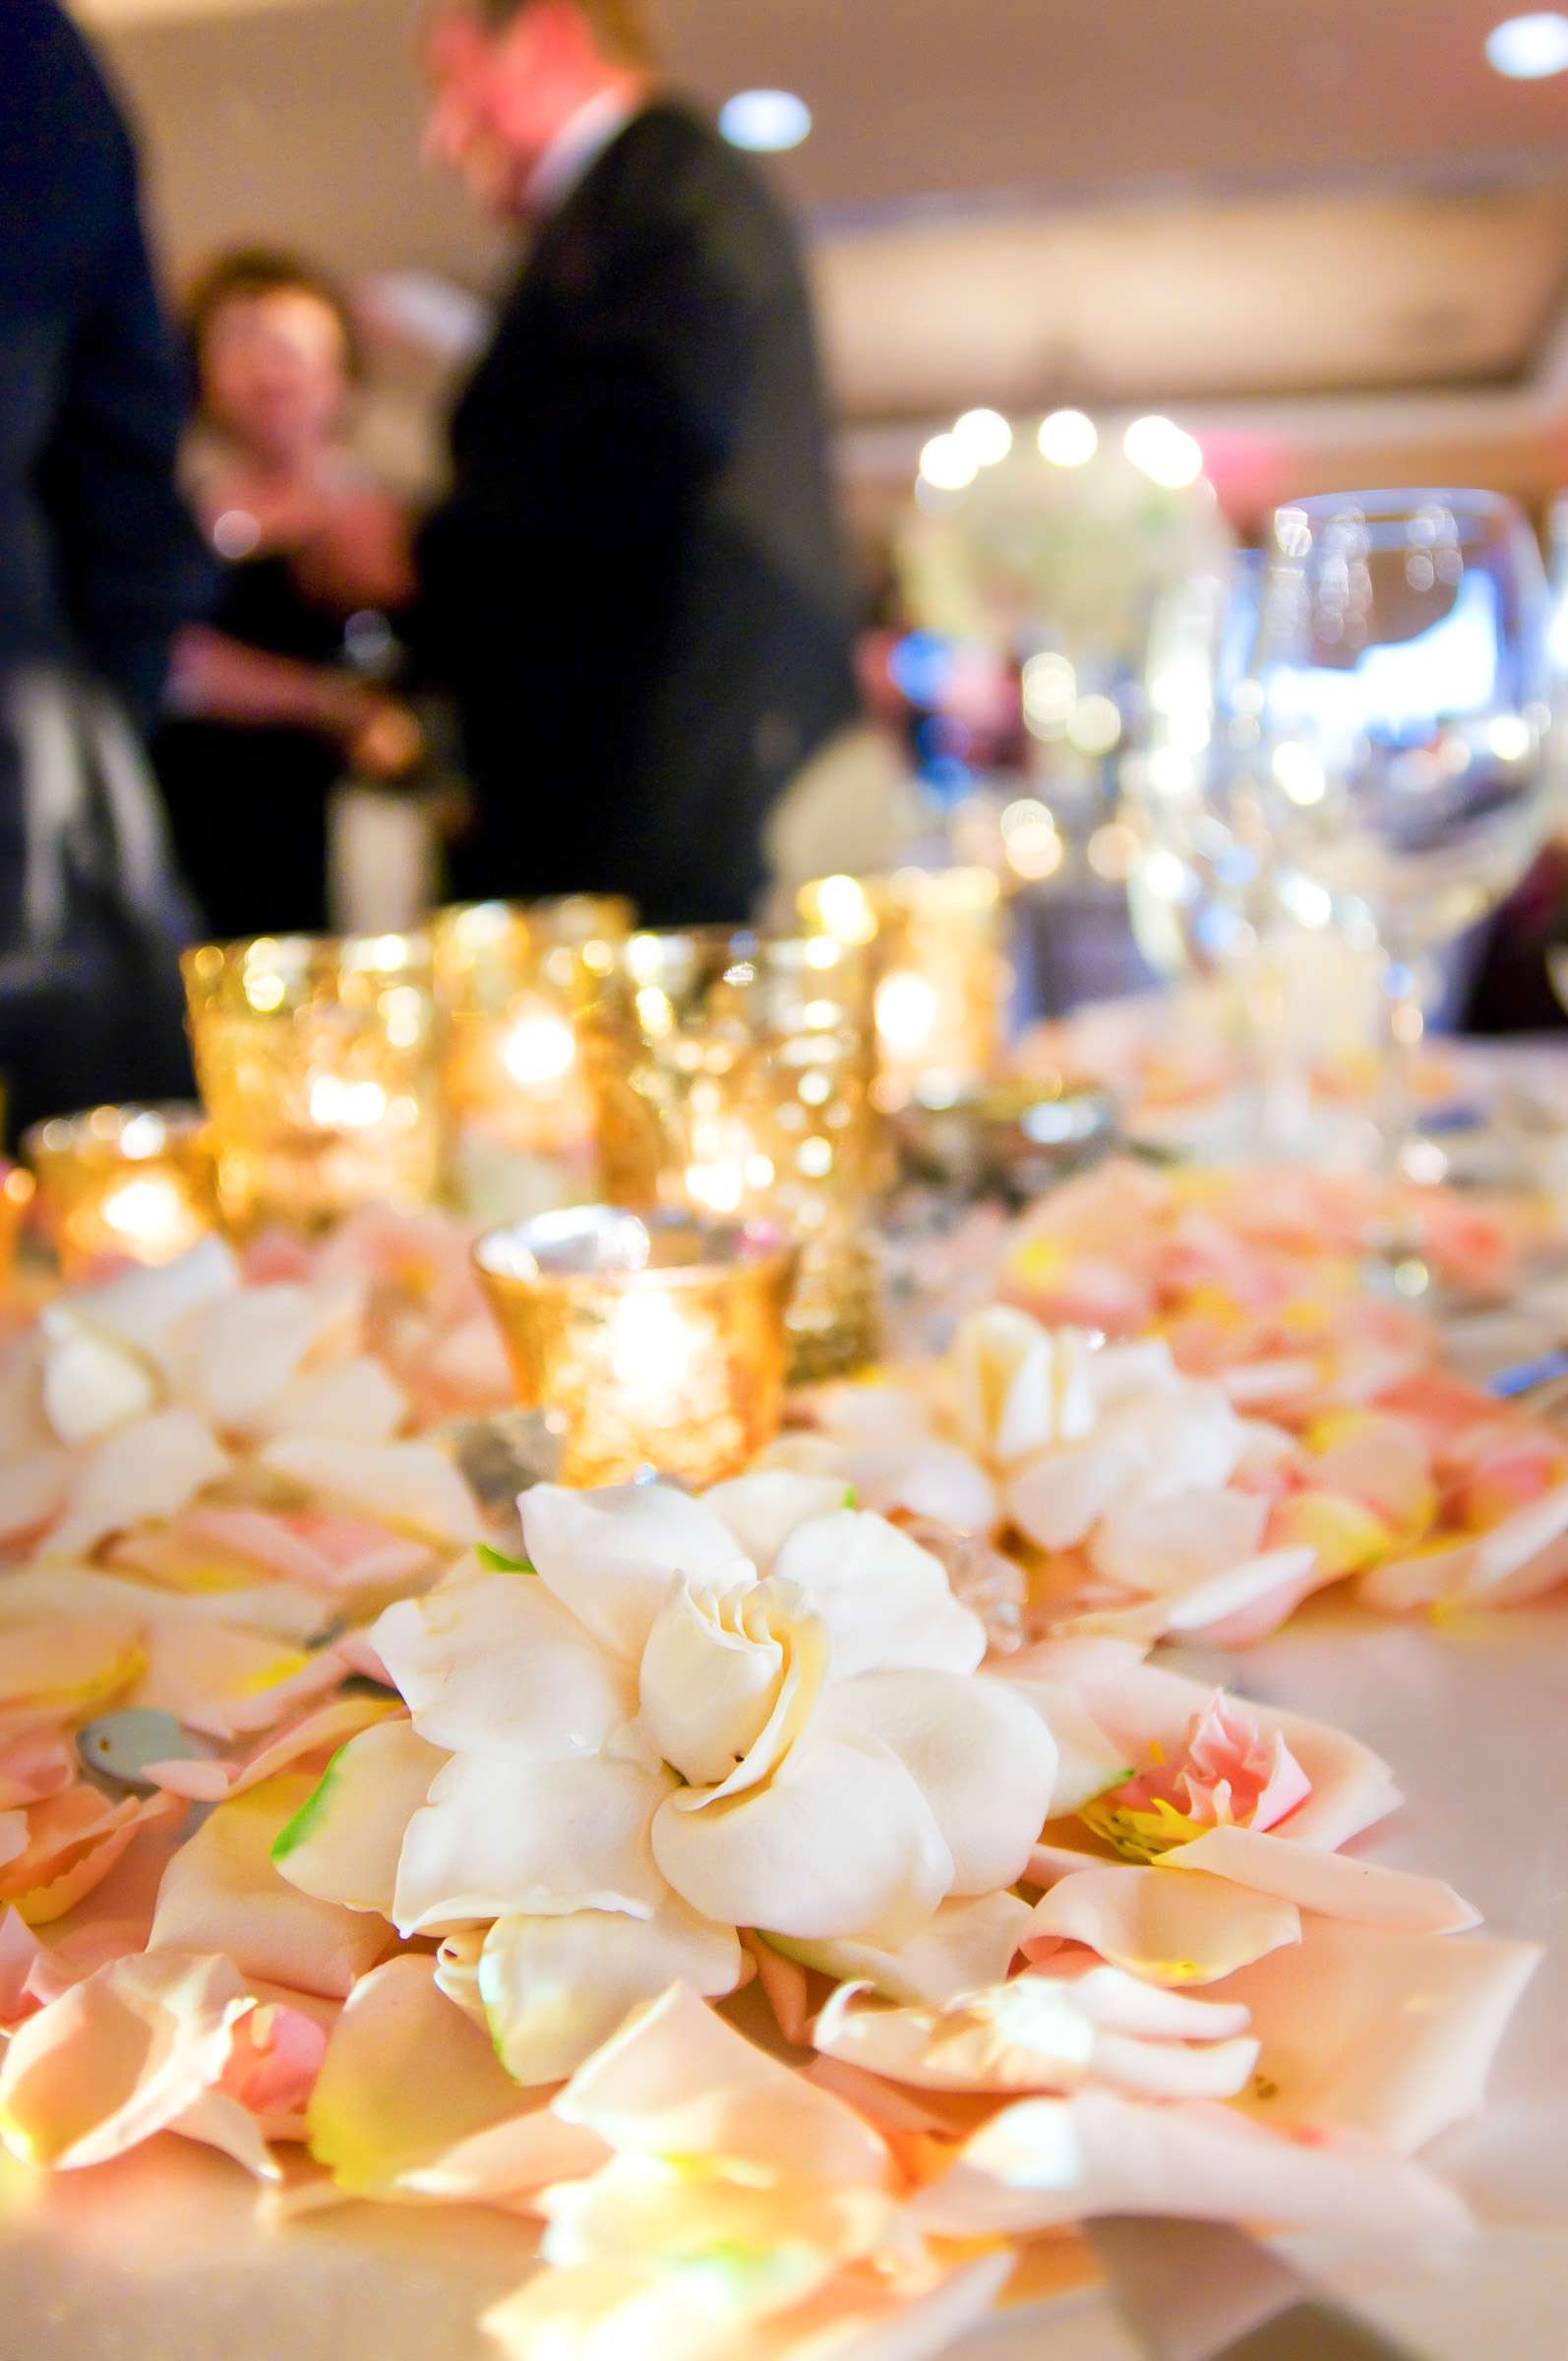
{"x": 936, "y": 940}
{"x": 131, "y": 1182}
{"x": 317, "y": 1060}
{"x": 651, "y": 1341}
{"x": 17, "y": 1191}
{"x": 732, "y": 1075}
{"x": 511, "y": 980}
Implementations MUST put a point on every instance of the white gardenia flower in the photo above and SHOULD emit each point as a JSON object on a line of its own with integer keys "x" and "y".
{"x": 1022, "y": 1387}
{"x": 647, "y": 1735}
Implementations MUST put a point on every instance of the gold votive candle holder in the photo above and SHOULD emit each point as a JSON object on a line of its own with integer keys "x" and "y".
{"x": 130, "y": 1182}
{"x": 651, "y": 1341}
{"x": 732, "y": 1075}
{"x": 316, "y": 1058}
{"x": 17, "y": 1190}
{"x": 511, "y": 980}
{"x": 936, "y": 940}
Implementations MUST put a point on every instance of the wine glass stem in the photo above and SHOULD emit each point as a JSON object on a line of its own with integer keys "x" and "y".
{"x": 1402, "y": 1024}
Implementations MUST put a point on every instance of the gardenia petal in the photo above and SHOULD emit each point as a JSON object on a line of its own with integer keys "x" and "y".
{"x": 498, "y": 1660}
{"x": 1020, "y": 1385}
{"x": 504, "y": 1833}
{"x": 762, "y": 1510}
{"x": 344, "y": 1842}
{"x": 839, "y": 1842}
{"x": 967, "y": 1944}
{"x": 980, "y": 1756}
{"x": 717, "y": 1667}
{"x": 553, "y": 1990}
{"x": 886, "y": 1602}
{"x": 612, "y": 1555}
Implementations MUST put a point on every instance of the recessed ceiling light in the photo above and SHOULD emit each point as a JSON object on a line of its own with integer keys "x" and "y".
{"x": 1528, "y": 48}
{"x": 765, "y": 121}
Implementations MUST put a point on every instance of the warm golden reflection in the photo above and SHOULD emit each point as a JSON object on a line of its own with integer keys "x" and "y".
{"x": 649, "y": 1342}
{"x": 317, "y": 1060}
{"x": 936, "y": 938}
{"x": 131, "y": 1182}
{"x": 732, "y": 1075}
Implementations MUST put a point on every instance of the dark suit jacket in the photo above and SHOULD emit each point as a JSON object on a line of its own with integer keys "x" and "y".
{"x": 98, "y": 560}
{"x": 635, "y": 589}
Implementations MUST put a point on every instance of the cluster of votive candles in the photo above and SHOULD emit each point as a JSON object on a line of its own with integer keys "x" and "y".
{"x": 716, "y": 1091}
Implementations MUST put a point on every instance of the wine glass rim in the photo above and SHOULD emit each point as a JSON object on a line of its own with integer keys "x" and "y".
{"x": 1400, "y": 500}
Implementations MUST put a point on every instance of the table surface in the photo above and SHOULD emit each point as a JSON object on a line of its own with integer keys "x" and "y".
{"x": 157, "y": 2258}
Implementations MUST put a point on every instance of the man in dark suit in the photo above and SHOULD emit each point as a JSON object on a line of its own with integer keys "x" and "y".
{"x": 634, "y": 588}
{"x": 99, "y": 564}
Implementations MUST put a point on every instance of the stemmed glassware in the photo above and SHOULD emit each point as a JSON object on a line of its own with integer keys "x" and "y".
{"x": 1405, "y": 764}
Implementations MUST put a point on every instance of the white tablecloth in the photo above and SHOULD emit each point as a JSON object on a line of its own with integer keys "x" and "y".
{"x": 156, "y": 2259}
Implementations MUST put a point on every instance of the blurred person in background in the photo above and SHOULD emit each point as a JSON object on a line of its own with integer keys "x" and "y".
{"x": 268, "y": 710}
{"x": 99, "y": 565}
{"x": 635, "y": 589}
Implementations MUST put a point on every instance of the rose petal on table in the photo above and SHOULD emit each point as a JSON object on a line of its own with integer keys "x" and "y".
{"x": 503, "y": 1833}
{"x": 886, "y": 1602}
{"x": 344, "y": 1842}
{"x": 1120, "y": 2003}
{"x": 34, "y": 1761}
{"x": 152, "y": 1468}
{"x": 412, "y": 1487}
{"x": 1029, "y": 2034}
{"x": 554, "y": 1988}
{"x": 32, "y": 1489}
{"x": 61, "y": 1667}
{"x": 499, "y": 1660}
{"x": 979, "y": 1752}
{"x": 1058, "y": 1499}
{"x": 1379, "y": 1459}
{"x": 237, "y": 1355}
{"x": 1173, "y": 1930}
{"x": 408, "y": 2089}
{"x": 1331, "y": 1883}
{"x": 1516, "y": 1560}
{"x": 147, "y": 1308}
{"x": 1154, "y": 1546}
{"x": 1379, "y": 2030}
{"x": 91, "y": 1382}
{"x": 611, "y": 1557}
{"x": 964, "y": 1944}
{"x": 221, "y": 1893}
{"x": 763, "y": 1509}
{"x": 925, "y": 1477}
{"x": 357, "y": 1401}
{"x": 117, "y": 2058}
{"x": 787, "y": 1857}
{"x": 1020, "y": 1386}
{"x": 1261, "y": 1588}
{"x": 225, "y": 1682}
{"x": 75, "y": 1841}
{"x": 678, "y": 2081}
{"x": 334, "y": 1555}
{"x": 1048, "y": 2161}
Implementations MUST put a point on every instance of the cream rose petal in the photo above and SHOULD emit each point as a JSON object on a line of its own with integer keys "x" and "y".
{"x": 1049, "y": 2161}
{"x": 118, "y": 2057}
{"x": 553, "y": 1990}
{"x": 966, "y": 1944}
{"x": 762, "y": 1510}
{"x": 886, "y": 1602}
{"x": 412, "y": 1487}
{"x": 926, "y": 1478}
{"x": 90, "y": 1381}
{"x": 610, "y": 1557}
{"x": 239, "y": 1353}
{"x": 411, "y": 2100}
{"x": 357, "y": 1401}
{"x": 1377, "y": 2030}
{"x": 1174, "y": 1930}
{"x": 149, "y": 1308}
{"x": 221, "y": 1892}
{"x": 1029, "y": 2034}
{"x": 1020, "y": 1386}
{"x": 344, "y": 1842}
{"x": 980, "y": 1754}
{"x": 678, "y": 2081}
{"x": 1057, "y": 1498}
{"x": 840, "y": 1841}
{"x": 503, "y": 1833}
{"x": 495, "y": 1661}
{"x": 152, "y": 1468}
{"x": 1157, "y": 1546}
{"x": 1331, "y": 1883}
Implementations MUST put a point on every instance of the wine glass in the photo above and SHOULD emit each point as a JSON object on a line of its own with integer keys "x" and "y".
{"x": 1405, "y": 762}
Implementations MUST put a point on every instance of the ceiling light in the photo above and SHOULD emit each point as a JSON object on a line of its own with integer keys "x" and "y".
{"x": 1067, "y": 438}
{"x": 1163, "y": 451}
{"x": 765, "y": 121}
{"x": 1528, "y": 48}
{"x": 985, "y": 435}
{"x": 946, "y": 465}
